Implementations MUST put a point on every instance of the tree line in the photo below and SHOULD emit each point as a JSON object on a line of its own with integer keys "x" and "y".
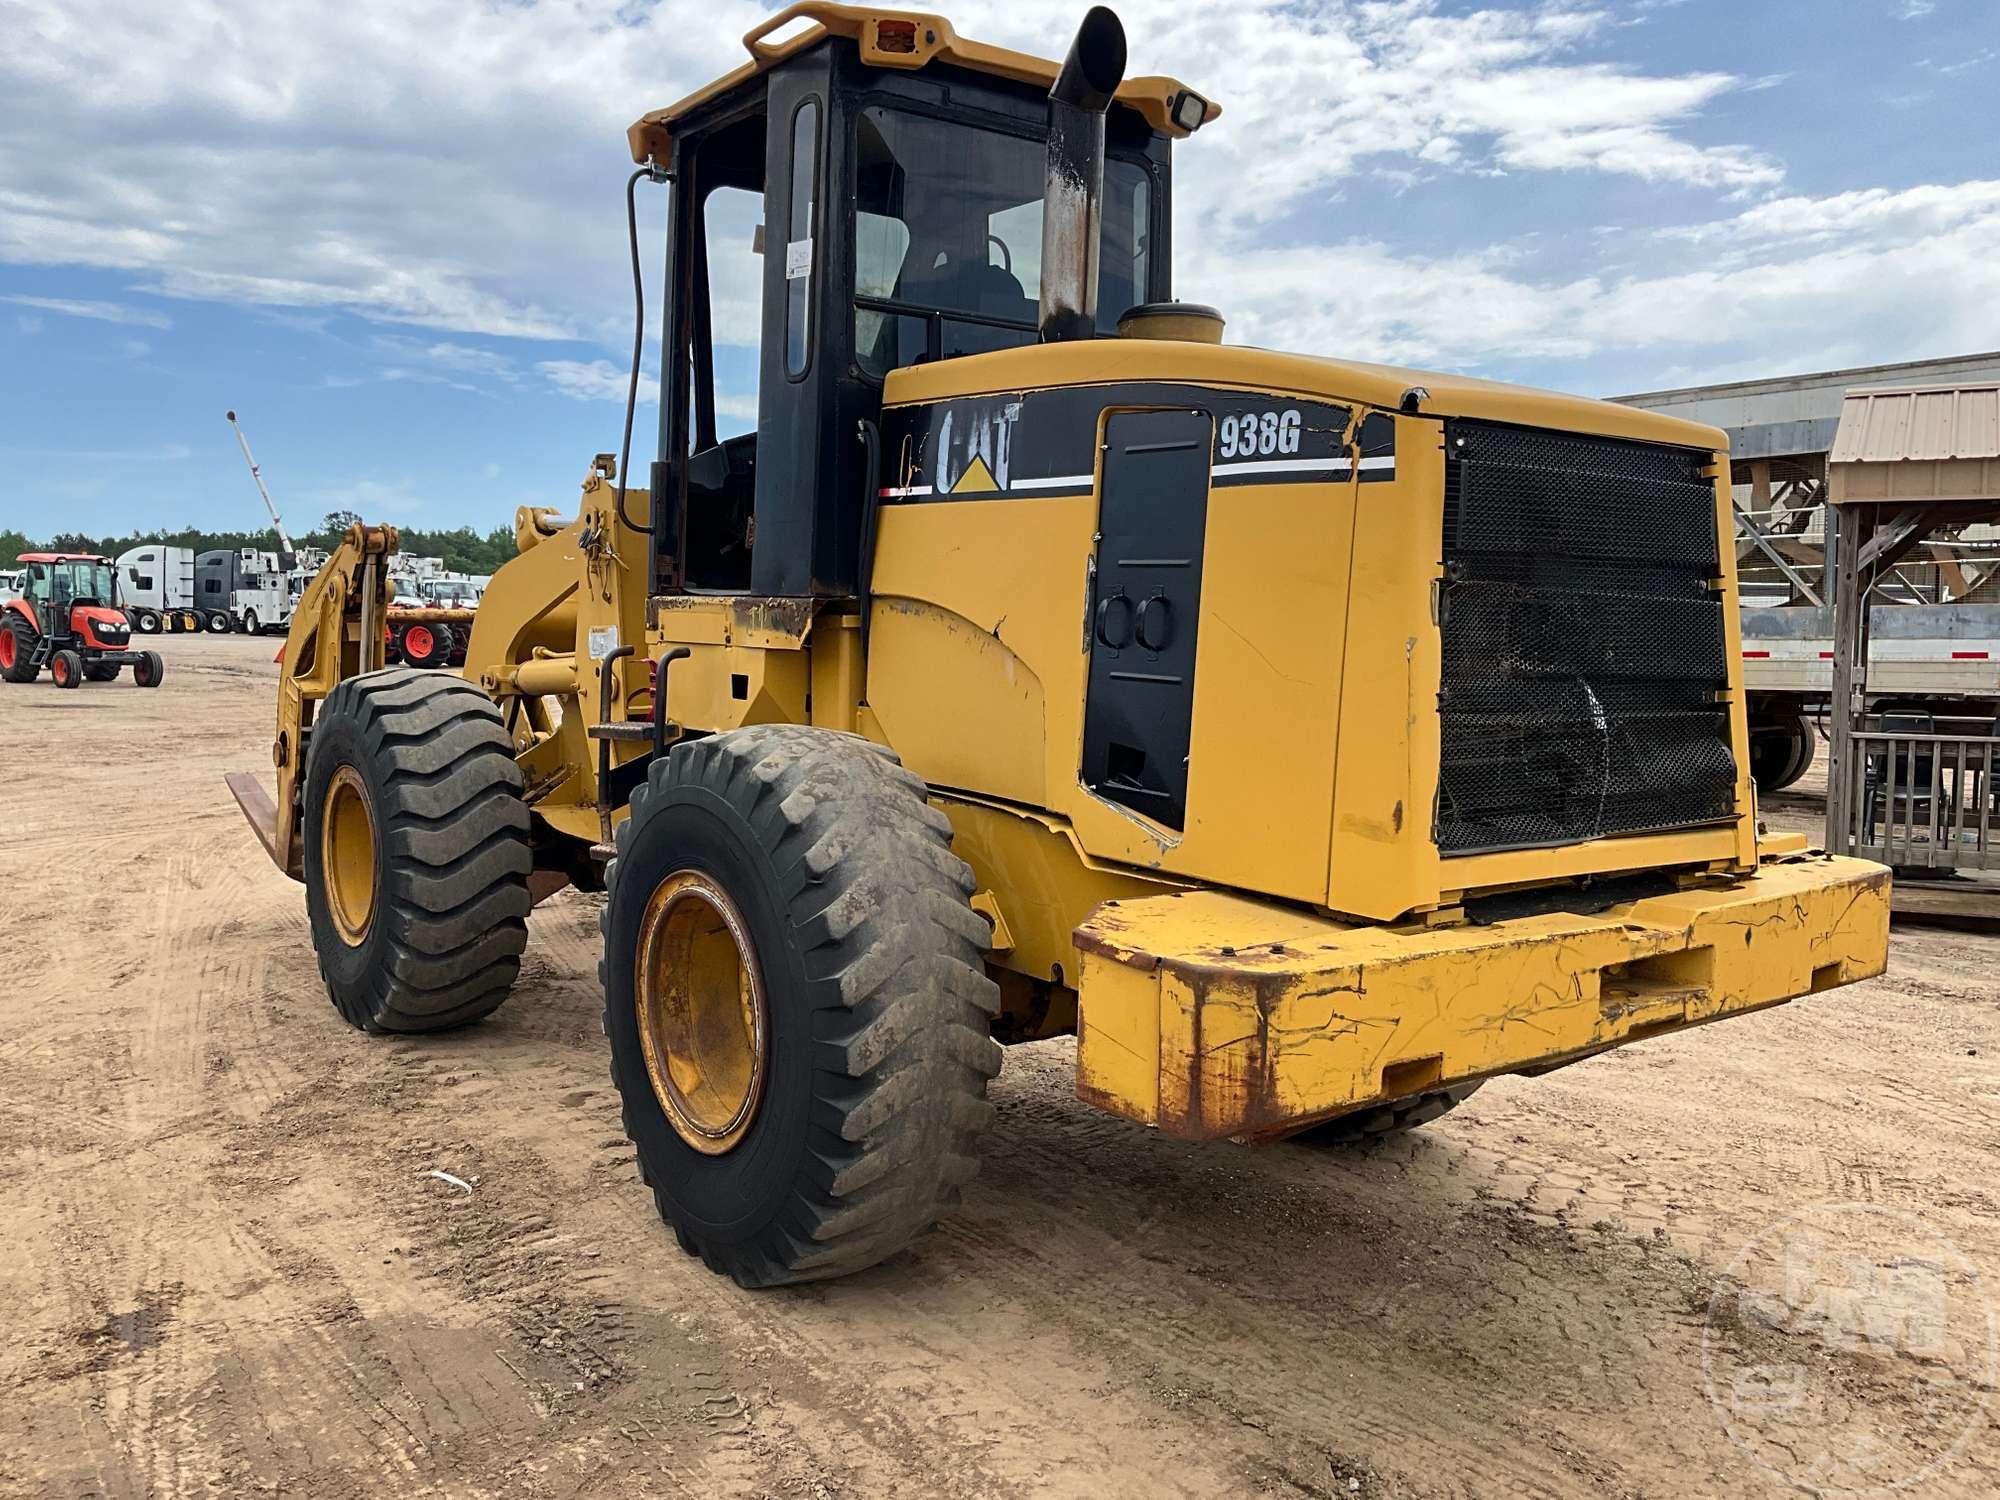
{"x": 463, "y": 549}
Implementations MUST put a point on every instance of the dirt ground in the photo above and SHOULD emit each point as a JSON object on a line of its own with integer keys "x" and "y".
{"x": 229, "y": 1269}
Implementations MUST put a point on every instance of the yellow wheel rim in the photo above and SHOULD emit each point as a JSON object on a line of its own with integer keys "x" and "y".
{"x": 347, "y": 855}
{"x": 702, "y": 1015}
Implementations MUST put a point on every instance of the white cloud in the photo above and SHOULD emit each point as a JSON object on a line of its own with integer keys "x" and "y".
{"x": 464, "y": 358}
{"x": 1313, "y": 95}
{"x": 164, "y": 453}
{"x": 458, "y": 167}
{"x": 366, "y": 496}
{"x": 597, "y": 380}
{"x": 1906, "y": 272}
{"x": 1967, "y": 62}
{"x": 103, "y": 312}
{"x": 419, "y": 161}
{"x": 1877, "y": 216}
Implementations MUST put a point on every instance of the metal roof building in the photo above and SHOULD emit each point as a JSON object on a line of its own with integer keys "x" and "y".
{"x": 1781, "y": 431}
{"x": 1794, "y": 417}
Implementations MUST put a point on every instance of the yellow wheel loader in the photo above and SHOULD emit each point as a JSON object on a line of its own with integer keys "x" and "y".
{"x": 1314, "y": 740}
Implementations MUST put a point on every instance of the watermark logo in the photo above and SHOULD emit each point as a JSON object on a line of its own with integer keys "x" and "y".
{"x": 1851, "y": 1350}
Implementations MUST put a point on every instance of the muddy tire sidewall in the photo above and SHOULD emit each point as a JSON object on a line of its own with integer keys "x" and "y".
{"x": 725, "y": 1198}
{"x": 346, "y": 967}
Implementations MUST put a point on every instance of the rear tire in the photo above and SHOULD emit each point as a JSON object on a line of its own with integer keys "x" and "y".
{"x": 149, "y": 671}
{"x": 100, "y": 671}
{"x": 427, "y": 646}
{"x": 17, "y": 649}
{"x": 145, "y": 621}
{"x": 1782, "y": 751}
{"x": 1380, "y": 1120}
{"x": 1805, "y": 746}
{"x": 216, "y": 622}
{"x": 424, "y": 933}
{"x": 875, "y": 1043}
{"x": 66, "y": 668}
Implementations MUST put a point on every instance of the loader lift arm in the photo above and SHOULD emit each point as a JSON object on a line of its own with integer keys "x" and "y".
{"x": 336, "y": 633}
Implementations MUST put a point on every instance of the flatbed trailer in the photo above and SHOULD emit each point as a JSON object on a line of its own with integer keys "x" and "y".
{"x": 1940, "y": 660}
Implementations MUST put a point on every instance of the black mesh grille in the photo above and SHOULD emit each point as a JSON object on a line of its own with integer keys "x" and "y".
{"x": 1583, "y": 643}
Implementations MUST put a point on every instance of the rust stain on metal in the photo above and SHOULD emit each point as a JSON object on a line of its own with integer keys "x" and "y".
{"x": 1097, "y": 935}
{"x": 747, "y": 614}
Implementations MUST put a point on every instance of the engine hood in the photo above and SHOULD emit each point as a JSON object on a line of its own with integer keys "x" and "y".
{"x": 1098, "y": 361}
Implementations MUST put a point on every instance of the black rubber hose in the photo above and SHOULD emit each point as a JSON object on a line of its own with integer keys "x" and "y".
{"x": 871, "y": 509}
{"x": 638, "y": 342}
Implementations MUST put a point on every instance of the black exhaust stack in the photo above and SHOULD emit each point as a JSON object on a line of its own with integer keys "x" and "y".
{"x": 1073, "y": 196}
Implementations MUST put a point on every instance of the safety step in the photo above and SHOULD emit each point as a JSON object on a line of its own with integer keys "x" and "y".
{"x": 620, "y": 731}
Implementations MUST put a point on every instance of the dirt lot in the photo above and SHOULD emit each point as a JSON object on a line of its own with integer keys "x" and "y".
{"x": 229, "y": 1269}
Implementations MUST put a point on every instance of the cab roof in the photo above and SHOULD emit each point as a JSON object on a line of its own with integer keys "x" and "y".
{"x": 906, "y": 40}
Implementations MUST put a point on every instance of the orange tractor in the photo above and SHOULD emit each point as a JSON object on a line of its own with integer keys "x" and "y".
{"x": 67, "y": 620}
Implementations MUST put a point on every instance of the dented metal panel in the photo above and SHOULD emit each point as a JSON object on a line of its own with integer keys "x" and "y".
{"x": 1211, "y": 1016}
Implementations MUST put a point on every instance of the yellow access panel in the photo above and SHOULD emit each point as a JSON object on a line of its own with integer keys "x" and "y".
{"x": 974, "y": 662}
{"x": 982, "y": 640}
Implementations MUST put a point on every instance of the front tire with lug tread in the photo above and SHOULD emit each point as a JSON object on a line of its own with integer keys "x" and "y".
{"x": 841, "y": 1118}
{"x": 66, "y": 668}
{"x": 416, "y": 851}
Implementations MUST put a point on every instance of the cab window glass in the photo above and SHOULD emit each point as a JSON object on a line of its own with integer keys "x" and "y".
{"x": 948, "y": 239}
{"x": 731, "y": 221}
{"x": 799, "y": 248}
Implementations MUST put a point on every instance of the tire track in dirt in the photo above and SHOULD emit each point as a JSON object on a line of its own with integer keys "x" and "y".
{"x": 234, "y": 1272}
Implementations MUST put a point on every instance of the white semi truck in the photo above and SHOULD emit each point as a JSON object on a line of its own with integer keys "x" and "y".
{"x": 156, "y": 588}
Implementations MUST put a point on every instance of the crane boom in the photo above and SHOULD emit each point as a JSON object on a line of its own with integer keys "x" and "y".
{"x": 277, "y": 521}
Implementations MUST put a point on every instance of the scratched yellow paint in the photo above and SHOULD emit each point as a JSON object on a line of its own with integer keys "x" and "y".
{"x": 1264, "y": 965}
{"x": 1210, "y": 1015}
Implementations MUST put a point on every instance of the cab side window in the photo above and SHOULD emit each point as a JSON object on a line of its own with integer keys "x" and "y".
{"x": 948, "y": 239}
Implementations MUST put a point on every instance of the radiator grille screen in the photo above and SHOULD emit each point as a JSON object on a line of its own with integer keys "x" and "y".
{"x": 1583, "y": 645}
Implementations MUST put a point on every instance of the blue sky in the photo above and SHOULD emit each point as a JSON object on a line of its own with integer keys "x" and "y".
{"x": 389, "y": 233}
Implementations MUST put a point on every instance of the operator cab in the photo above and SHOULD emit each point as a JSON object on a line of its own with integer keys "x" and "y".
{"x": 55, "y": 583}
{"x": 865, "y": 196}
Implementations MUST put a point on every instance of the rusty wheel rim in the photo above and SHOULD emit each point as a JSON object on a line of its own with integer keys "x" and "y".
{"x": 703, "y": 1018}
